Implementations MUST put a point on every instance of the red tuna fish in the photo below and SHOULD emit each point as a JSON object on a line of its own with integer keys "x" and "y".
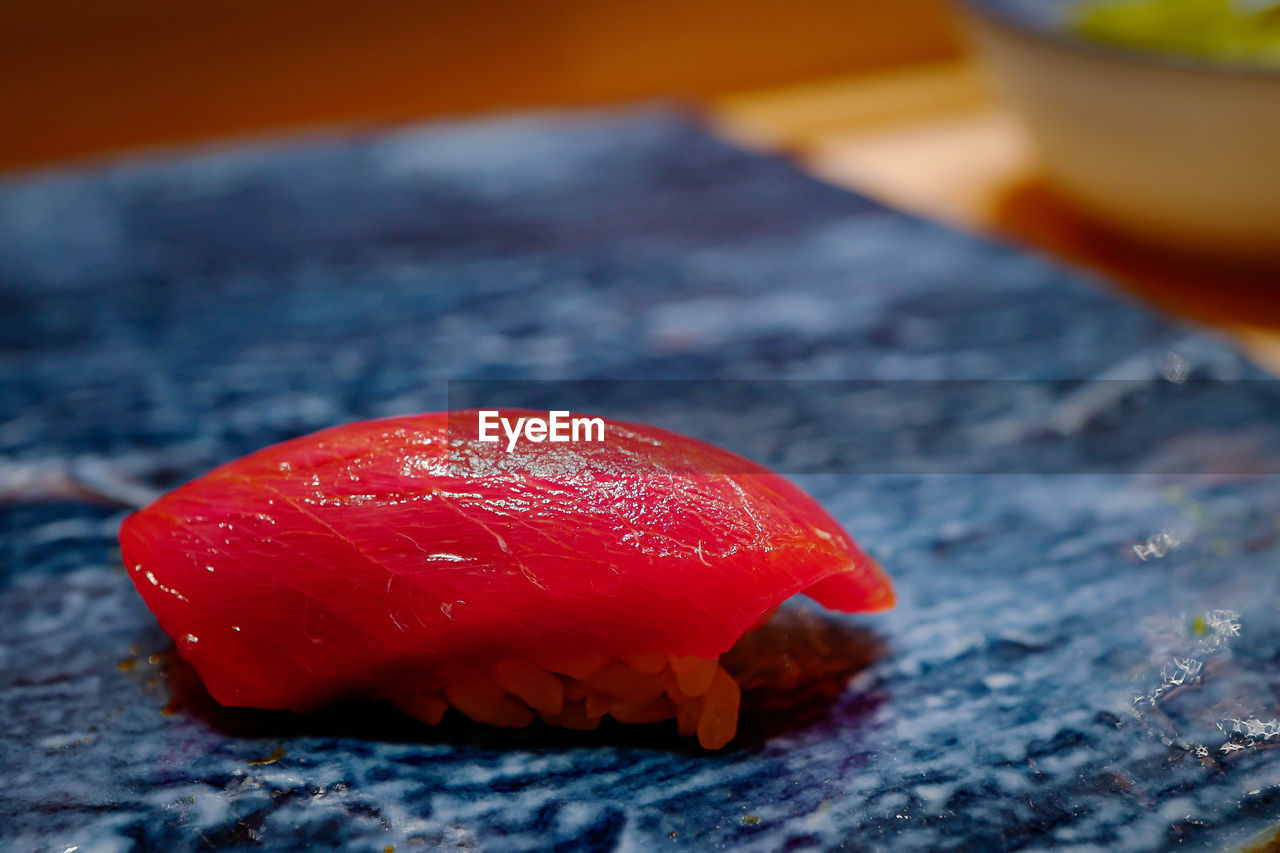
{"x": 405, "y": 559}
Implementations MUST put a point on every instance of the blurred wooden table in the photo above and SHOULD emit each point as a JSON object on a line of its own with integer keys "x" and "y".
{"x": 933, "y": 140}
{"x": 85, "y": 78}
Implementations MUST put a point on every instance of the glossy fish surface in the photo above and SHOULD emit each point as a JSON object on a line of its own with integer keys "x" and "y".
{"x": 396, "y": 557}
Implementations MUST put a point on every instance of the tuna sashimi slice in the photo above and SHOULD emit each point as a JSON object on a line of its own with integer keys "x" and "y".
{"x": 405, "y": 559}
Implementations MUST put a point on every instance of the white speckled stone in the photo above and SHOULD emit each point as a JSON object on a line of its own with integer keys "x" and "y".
{"x": 158, "y": 318}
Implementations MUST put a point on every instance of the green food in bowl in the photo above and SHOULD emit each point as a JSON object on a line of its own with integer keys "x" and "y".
{"x": 1234, "y": 31}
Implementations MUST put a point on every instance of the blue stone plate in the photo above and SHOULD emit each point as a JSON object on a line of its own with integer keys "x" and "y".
{"x": 1085, "y": 652}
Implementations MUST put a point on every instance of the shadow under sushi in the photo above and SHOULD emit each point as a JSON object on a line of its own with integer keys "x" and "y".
{"x": 792, "y": 671}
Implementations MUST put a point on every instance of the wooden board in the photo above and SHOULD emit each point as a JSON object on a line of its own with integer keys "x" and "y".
{"x": 80, "y": 77}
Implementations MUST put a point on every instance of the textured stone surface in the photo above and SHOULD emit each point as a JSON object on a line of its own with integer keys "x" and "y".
{"x": 159, "y": 318}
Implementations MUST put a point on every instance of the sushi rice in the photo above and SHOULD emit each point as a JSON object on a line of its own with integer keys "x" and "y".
{"x": 578, "y": 692}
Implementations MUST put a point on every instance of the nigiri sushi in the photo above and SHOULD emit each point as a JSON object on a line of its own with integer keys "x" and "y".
{"x": 408, "y": 560}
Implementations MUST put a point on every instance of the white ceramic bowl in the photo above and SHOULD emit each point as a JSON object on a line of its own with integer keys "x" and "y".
{"x": 1175, "y": 151}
